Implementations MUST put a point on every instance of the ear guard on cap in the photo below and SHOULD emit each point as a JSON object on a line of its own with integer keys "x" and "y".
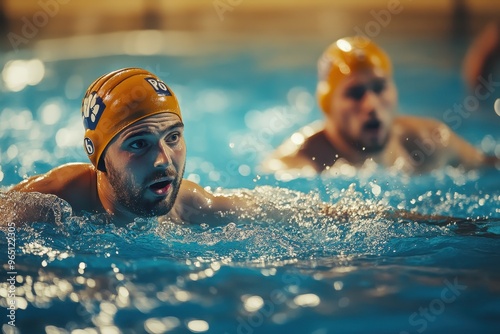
{"x": 118, "y": 99}
{"x": 343, "y": 57}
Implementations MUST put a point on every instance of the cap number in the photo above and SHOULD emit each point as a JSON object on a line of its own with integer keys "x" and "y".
{"x": 159, "y": 86}
{"x": 89, "y": 146}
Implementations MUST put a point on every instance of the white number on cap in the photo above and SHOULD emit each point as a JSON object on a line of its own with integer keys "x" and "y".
{"x": 89, "y": 146}
{"x": 158, "y": 86}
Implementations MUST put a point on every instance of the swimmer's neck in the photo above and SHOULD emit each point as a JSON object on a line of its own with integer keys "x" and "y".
{"x": 343, "y": 148}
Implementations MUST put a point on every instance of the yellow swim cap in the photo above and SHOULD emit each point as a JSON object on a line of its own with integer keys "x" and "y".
{"x": 116, "y": 100}
{"x": 344, "y": 57}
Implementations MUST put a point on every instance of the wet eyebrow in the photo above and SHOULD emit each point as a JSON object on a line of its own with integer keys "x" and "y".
{"x": 134, "y": 134}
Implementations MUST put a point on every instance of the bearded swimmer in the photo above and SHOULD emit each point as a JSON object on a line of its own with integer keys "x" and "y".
{"x": 358, "y": 97}
{"x": 134, "y": 138}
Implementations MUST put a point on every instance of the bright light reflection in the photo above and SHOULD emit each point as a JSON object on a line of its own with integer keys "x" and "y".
{"x": 51, "y": 113}
{"x": 198, "y": 326}
{"x": 108, "y": 308}
{"x": 307, "y": 300}
{"x": 338, "y": 285}
{"x": 212, "y": 100}
{"x": 276, "y": 164}
{"x": 214, "y": 176}
{"x": 347, "y": 170}
{"x": 66, "y": 137}
{"x": 22, "y": 120}
{"x": 154, "y": 326}
{"x": 122, "y": 291}
{"x": 488, "y": 143}
{"x": 253, "y": 303}
{"x": 305, "y": 102}
{"x": 344, "y": 45}
{"x": 144, "y": 42}
{"x": 297, "y": 138}
{"x": 244, "y": 170}
{"x": 301, "y": 99}
{"x": 376, "y": 190}
{"x": 84, "y": 331}
{"x": 109, "y": 330}
{"x": 91, "y": 283}
{"x": 194, "y": 178}
{"x": 29, "y": 157}
{"x": 170, "y": 322}
{"x": 17, "y": 74}
{"x": 182, "y": 296}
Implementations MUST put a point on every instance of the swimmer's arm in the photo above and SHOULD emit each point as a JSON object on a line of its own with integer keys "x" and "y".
{"x": 17, "y": 208}
{"x": 200, "y": 206}
{"x": 434, "y": 219}
{"x": 461, "y": 152}
{"x": 469, "y": 156}
{"x": 73, "y": 182}
{"x": 245, "y": 208}
{"x": 32, "y": 200}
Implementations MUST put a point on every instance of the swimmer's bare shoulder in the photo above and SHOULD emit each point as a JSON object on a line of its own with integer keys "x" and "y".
{"x": 305, "y": 152}
{"x": 76, "y": 183}
{"x": 196, "y": 205}
{"x": 421, "y": 128}
{"x": 438, "y": 143}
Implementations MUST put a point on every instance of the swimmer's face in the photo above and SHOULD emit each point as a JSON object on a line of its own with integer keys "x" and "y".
{"x": 145, "y": 164}
{"x": 363, "y": 109}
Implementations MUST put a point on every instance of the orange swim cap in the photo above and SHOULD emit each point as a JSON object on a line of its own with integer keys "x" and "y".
{"x": 343, "y": 57}
{"x": 118, "y": 99}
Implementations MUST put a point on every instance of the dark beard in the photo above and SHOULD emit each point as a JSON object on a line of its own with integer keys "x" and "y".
{"x": 130, "y": 198}
{"x": 363, "y": 147}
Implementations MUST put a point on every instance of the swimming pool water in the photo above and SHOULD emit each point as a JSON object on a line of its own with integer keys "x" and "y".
{"x": 307, "y": 275}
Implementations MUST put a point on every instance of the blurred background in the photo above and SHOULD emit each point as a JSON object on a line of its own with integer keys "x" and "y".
{"x": 76, "y": 17}
{"x": 220, "y": 20}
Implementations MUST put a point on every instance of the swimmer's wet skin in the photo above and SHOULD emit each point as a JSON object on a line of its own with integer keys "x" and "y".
{"x": 134, "y": 138}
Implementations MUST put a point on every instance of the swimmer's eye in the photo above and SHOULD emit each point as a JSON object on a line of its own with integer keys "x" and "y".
{"x": 138, "y": 144}
{"x": 173, "y": 138}
{"x": 378, "y": 86}
{"x": 356, "y": 92}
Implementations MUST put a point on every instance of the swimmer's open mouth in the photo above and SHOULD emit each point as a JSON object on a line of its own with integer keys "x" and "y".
{"x": 161, "y": 187}
{"x": 373, "y": 124}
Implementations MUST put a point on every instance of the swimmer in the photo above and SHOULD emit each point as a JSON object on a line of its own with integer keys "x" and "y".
{"x": 482, "y": 60}
{"x": 134, "y": 138}
{"x": 358, "y": 97}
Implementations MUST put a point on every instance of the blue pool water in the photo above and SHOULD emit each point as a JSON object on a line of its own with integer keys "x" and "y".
{"x": 307, "y": 275}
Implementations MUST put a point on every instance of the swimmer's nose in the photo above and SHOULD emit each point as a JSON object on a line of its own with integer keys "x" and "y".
{"x": 370, "y": 102}
{"x": 163, "y": 155}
